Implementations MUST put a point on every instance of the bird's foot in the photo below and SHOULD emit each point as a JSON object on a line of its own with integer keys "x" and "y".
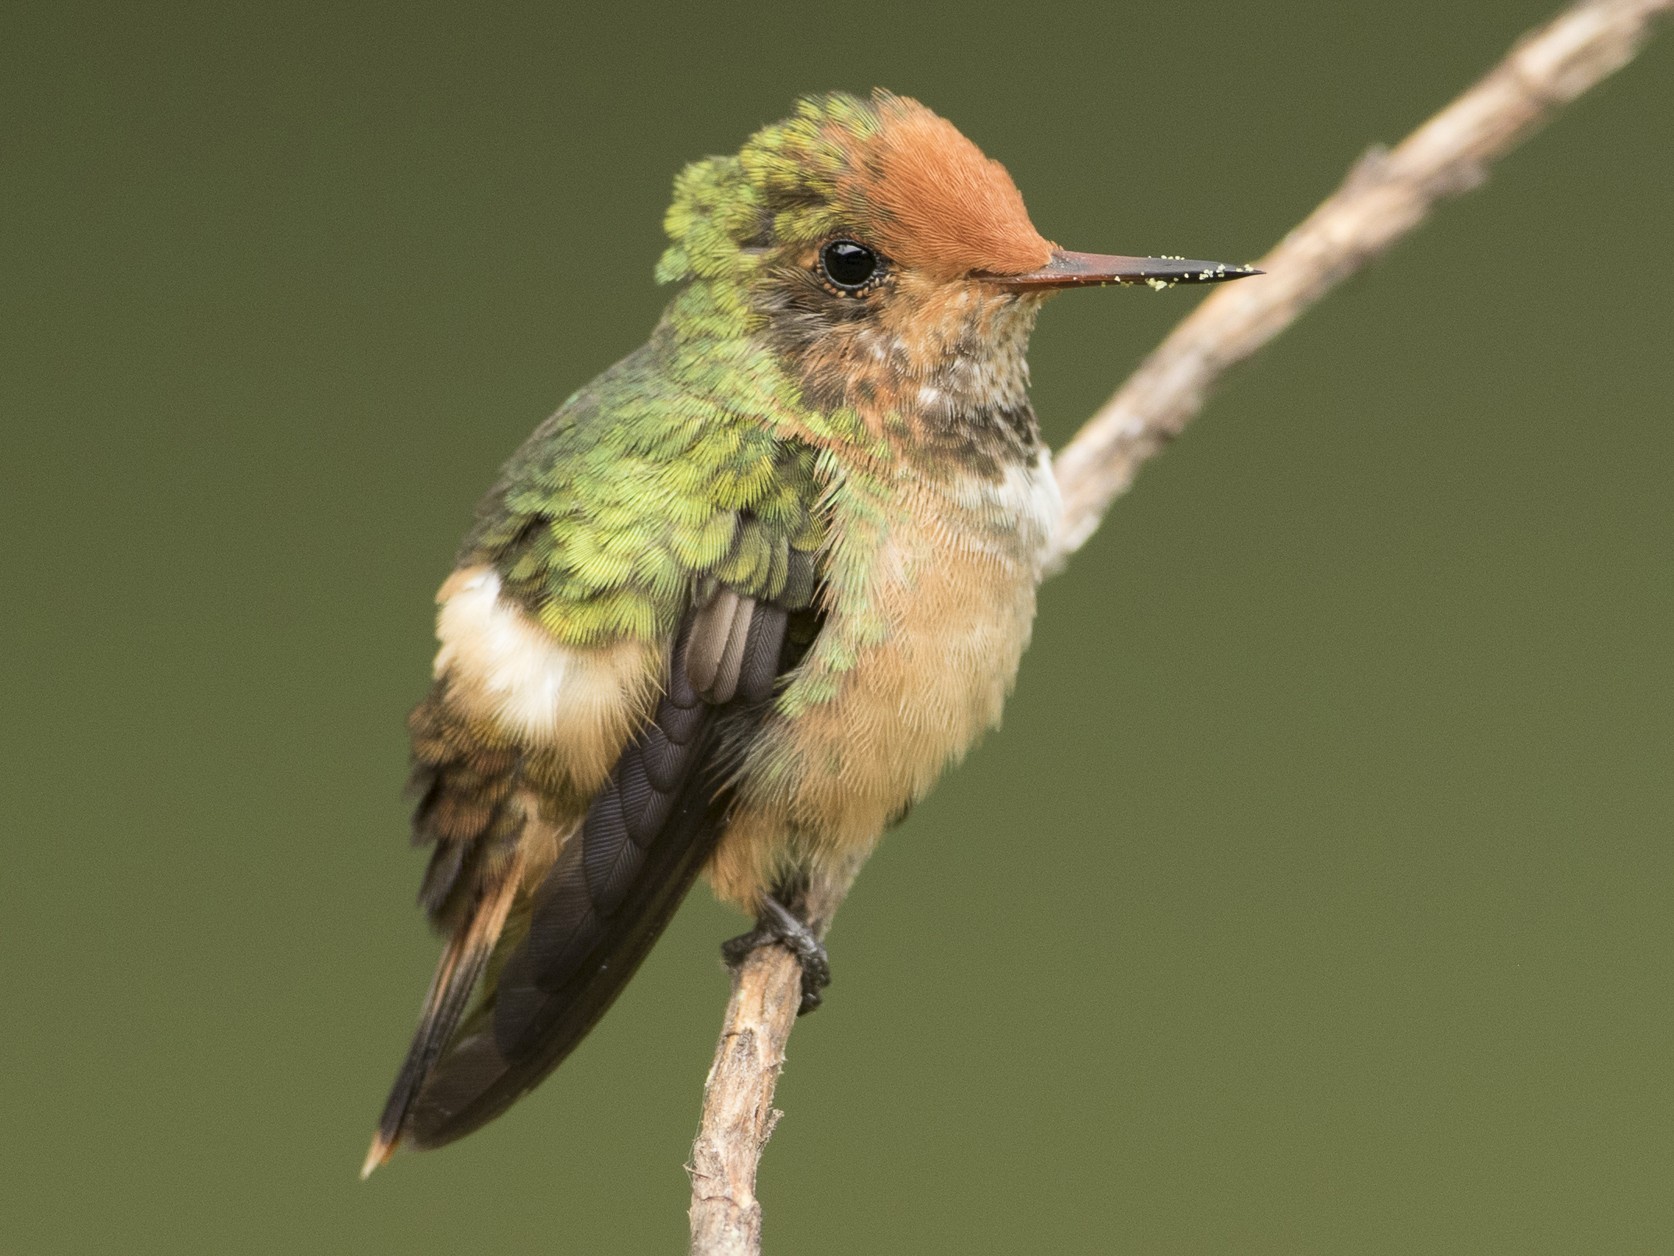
{"x": 778, "y": 925}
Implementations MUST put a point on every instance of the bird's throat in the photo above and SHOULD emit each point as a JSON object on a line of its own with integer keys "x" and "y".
{"x": 944, "y": 384}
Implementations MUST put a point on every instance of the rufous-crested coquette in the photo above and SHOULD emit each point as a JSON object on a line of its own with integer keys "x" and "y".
{"x": 739, "y": 602}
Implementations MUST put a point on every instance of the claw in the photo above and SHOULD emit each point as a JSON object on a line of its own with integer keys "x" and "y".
{"x": 780, "y": 926}
{"x": 734, "y": 951}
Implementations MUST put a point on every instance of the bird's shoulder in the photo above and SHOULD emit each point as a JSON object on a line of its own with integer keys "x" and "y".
{"x": 648, "y": 485}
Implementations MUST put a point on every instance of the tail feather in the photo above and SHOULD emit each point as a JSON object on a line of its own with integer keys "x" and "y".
{"x": 457, "y": 974}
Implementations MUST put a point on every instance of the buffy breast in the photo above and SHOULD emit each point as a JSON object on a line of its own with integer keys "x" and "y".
{"x": 952, "y": 588}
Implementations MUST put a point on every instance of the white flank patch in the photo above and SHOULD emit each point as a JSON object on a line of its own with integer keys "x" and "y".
{"x": 505, "y": 665}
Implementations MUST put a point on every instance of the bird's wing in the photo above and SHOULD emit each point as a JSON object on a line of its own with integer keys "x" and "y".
{"x": 617, "y": 882}
{"x": 554, "y": 881}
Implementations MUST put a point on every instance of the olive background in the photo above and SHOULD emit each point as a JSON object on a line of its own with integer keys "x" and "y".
{"x": 1314, "y": 897}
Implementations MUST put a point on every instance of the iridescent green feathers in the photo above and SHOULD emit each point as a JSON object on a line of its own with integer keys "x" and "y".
{"x": 650, "y": 480}
{"x": 689, "y": 461}
{"x": 785, "y": 187}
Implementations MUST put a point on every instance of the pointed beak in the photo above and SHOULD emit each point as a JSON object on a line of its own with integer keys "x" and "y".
{"x": 1086, "y": 270}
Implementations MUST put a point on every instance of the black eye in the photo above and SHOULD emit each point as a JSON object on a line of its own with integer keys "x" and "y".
{"x": 848, "y": 265}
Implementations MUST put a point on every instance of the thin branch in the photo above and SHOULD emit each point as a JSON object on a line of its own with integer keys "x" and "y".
{"x": 738, "y": 1113}
{"x": 1387, "y": 195}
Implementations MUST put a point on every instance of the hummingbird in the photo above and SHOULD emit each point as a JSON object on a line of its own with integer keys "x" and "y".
{"x": 736, "y": 606}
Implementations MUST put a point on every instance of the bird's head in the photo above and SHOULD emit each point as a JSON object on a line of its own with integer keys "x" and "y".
{"x": 891, "y": 265}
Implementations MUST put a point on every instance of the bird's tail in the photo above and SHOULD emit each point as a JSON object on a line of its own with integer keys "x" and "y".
{"x": 457, "y": 974}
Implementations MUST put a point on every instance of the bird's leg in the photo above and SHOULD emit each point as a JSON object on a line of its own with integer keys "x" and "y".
{"x": 778, "y": 924}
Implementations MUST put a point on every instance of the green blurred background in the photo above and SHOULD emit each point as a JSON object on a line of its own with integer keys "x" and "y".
{"x": 1314, "y": 897}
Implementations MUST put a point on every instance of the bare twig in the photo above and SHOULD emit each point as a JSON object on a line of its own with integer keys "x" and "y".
{"x": 1385, "y": 196}
{"x": 738, "y": 1113}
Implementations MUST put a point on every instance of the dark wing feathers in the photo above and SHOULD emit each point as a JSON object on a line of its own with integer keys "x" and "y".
{"x": 762, "y": 654}
{"x": 724, "y": 634}
{"x": 711, "y": 627}
{"x": 617, "y": 881}
{"x": 758, "y": 664}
